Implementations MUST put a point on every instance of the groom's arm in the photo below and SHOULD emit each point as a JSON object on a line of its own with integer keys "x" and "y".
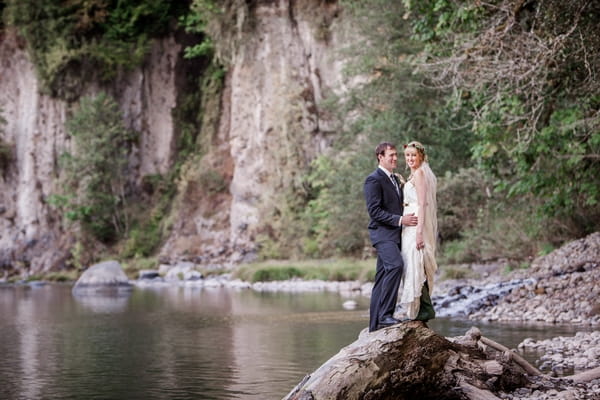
{"x": 373, "y": 197}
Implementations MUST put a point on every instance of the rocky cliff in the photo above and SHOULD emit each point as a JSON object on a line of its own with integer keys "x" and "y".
{"x": 269, "y": 124}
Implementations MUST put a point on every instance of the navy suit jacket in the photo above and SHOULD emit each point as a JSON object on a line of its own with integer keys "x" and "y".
{"x": 384, "y": 206}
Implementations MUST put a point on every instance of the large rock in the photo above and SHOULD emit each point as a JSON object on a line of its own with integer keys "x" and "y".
{"x": 285, "y": 58}
{"x": 107, "y": 276}
{"x": 409, "y": 361}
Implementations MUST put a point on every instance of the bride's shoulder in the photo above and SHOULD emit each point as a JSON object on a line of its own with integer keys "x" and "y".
{"x": 419, "y": 173}
{"x": 400, "y": 178}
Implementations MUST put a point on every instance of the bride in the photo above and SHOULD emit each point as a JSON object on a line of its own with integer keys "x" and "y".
{"x": 419, "y": 242}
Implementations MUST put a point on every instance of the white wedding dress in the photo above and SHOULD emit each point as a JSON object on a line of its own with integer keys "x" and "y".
{"x": 419, "y": 265}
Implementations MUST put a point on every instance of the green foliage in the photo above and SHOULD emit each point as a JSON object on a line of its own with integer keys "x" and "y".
{"x": 327, "y": 270}
{"x": 457, "y": 272}
{"x": 149, "y": 222}
{"x": 62, "y": 276}
{"x": 462, "y": 198}
{"x": 133, "y": 266}
{"x": 335, "y": 214}
{"x": 75, "y": 40}
{"x": 392, "y": 106}
{"x": 436, "y": 20}
{"x": 502, "y": 228}
{"x": 545, "y": 249}
{"x": 143, "y": 239}
{"x": 196, "y": 22}
{"x": 276, "y": 274}
{"x": 564, "y": 151}
{"x": 510, "y": 267}
{"x": 459, "y": 251}
{"x": 95, "y": 173}
{"x": 528, "y": 71}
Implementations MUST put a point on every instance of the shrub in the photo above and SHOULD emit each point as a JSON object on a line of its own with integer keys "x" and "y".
{"x": 95, "y": 172}
{"x": 327, "y": 270}
{"x": 276, "y": 274}
{"x": 462, "y": 198}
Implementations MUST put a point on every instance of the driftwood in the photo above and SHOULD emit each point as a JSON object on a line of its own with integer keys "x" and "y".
{"x": 586, "y": 376}
{"x": 409, "y": 361}
{"x": 475, "y": 335}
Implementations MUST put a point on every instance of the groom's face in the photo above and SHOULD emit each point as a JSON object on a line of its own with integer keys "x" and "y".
{"x": 389, "y": 159}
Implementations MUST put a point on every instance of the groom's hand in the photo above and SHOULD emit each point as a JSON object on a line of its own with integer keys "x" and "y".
{"x": 409, "y": 220}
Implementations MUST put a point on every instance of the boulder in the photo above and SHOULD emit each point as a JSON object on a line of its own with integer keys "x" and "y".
{"x": 409, "y": 361}
{"x": 183, "y": 272}
{"x": 107, "y": 276}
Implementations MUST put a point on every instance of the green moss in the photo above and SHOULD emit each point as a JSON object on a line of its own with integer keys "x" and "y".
{"x": 6, "y": 155}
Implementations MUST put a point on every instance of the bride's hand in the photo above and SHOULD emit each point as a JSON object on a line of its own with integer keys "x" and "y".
{"x": 420, "y": 241}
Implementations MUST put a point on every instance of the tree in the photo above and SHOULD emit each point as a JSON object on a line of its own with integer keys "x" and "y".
{"x": 528, "y": 72}
{"x": 95, "y": 172}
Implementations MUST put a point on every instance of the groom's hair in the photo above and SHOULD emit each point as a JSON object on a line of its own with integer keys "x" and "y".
{"x": 382, "y": 147}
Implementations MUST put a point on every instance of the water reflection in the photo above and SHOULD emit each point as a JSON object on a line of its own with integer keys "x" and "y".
{"x": 184, "y": 343}
{"x": 99, "y": 303}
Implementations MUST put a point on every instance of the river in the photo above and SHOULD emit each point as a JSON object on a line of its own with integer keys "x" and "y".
{"x": 184, "y": 343}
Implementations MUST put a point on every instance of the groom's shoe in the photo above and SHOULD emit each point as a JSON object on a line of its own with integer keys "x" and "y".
{"x": 387, "y": 321}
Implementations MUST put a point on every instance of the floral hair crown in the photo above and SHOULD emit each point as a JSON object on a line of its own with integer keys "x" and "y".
{"x": 416, "y": 146}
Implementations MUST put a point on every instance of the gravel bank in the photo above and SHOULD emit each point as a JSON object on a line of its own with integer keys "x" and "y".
{"x": 563, "y": 288}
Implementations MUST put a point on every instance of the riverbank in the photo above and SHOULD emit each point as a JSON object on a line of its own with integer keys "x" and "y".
{"x": 561, "y": 287}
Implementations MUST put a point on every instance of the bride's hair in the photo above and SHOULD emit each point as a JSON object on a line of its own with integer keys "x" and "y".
{"x": 420, "y": 148}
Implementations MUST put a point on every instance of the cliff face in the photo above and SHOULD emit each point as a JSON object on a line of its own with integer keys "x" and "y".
{"x": 35, "y": 131}
{"x": 272, "y": 124}
{"x": 269, "y": 125}
{"x": 33, "y": 237}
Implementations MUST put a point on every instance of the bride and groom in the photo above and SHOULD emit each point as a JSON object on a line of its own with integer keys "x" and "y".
{"x": 403, "y": 229}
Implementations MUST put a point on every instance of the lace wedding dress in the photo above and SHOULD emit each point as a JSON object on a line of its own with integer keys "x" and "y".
{"x": 419, "y": 265}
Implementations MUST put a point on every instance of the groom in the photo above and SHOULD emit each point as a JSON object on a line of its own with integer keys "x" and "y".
{"x": 384, "y": 205}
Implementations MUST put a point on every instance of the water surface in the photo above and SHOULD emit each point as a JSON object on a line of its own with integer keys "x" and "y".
{"x": 183, "y": 343}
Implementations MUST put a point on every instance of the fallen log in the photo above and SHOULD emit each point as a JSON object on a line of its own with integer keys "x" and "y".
{"x": 409, "y": 361}
{"x": 475, "y": 334}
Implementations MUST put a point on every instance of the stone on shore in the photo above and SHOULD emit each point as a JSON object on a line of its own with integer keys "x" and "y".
{"x": 105, "y": 277}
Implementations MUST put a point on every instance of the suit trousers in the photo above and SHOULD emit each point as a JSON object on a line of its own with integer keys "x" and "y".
{"x": 387, "y": 281}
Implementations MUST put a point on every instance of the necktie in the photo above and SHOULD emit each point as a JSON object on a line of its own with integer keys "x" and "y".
{"x": 393, "y": 178}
